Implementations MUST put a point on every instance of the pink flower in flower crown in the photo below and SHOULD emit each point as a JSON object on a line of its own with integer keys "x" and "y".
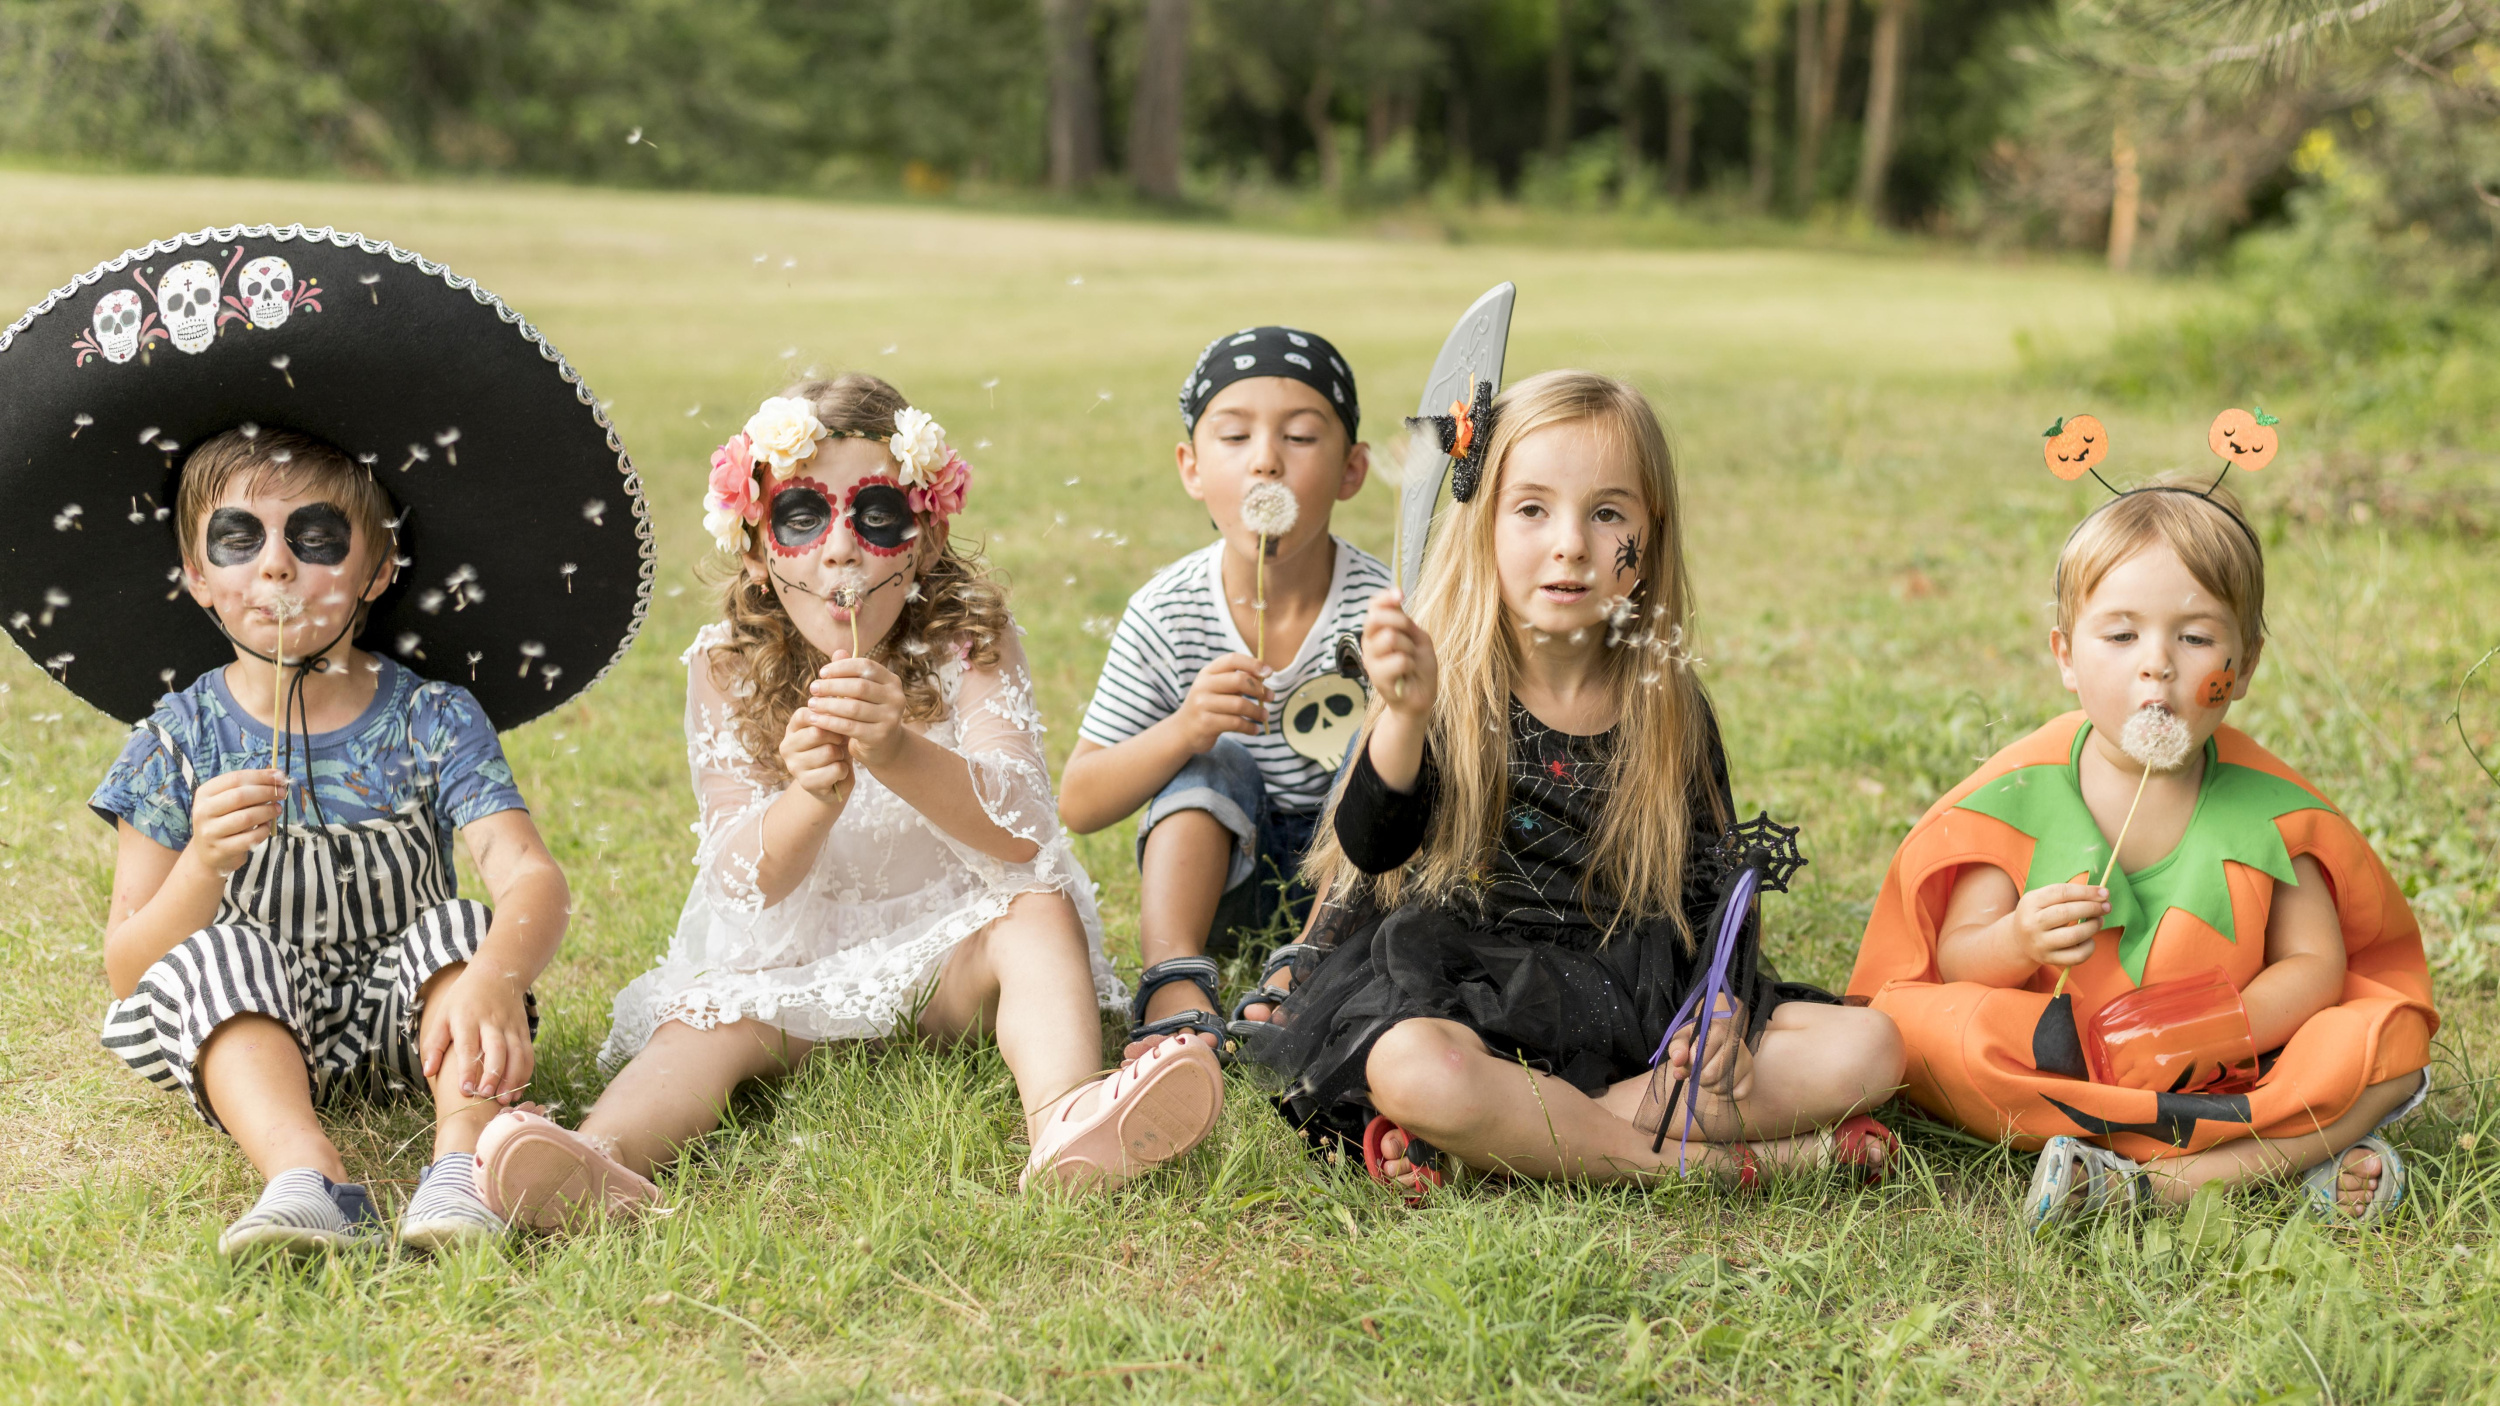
{"x": 944, "y": 496}
{"x": 730, "y": 501}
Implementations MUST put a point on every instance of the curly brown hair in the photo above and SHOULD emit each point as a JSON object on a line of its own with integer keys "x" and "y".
{"x": 766, "y": 665}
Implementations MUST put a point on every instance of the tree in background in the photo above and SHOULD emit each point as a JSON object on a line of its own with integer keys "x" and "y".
{"x": 1158, "y": 112}
{"x": 1075, "y": 100}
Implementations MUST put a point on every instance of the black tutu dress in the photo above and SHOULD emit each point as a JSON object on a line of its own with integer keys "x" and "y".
{"x": 1519, "y": 960}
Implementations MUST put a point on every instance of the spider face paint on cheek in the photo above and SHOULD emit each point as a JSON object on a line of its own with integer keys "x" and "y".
{"x": 1628, "y": 555}
{"x": 801, "y": 516}
{"x": 235, "y": 537}
{"x": 318, "y": 534}
{"x": 881, "y": 517}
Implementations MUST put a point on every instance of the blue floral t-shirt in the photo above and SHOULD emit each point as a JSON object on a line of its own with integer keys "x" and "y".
{"x": 420, "y": 741}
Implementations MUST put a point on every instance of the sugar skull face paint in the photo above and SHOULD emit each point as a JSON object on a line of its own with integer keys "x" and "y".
{"x": 317, "y": 533}
{"x": 881, "y": 516}
{"x": 801, "y": 515}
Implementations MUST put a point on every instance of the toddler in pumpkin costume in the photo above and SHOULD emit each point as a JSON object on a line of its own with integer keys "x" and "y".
{"x": 2241, "y": 994}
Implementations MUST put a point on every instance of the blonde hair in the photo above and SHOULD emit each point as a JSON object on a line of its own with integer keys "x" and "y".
{"x": 1638, "y": 853}
{"x": 2205, "y": 528}
{"x": 280, "y": 461}
{"x": 765, "y": 665}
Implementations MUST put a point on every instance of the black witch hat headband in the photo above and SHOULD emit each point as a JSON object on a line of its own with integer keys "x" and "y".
{"x": 2244, "y": 439}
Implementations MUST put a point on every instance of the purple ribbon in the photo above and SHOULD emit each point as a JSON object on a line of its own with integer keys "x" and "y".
{"x": 1699, "y": 1008}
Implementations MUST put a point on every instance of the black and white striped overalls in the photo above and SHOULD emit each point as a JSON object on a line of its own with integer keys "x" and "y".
{"x": 330, "y": 930}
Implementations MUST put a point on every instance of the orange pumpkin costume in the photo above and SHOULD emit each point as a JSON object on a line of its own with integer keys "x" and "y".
{"x": 2008, "y": 1062}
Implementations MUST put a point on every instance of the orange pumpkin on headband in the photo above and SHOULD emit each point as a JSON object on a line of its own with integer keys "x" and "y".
{"x": 2075, "y": 446}
{"x": 2244, "y": 439}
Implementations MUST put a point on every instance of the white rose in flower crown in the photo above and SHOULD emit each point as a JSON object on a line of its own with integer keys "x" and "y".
{"x": 919, "y": 445}
{"x": 784, "y": 431}
{"x": 728, "y": 527}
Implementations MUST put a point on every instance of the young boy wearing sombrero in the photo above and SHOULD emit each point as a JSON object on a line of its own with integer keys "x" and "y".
{"x": 286, "y": 925}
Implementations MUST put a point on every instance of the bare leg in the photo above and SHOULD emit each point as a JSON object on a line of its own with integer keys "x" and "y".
{"x": 1180, "y": 882}
{"x": 2175, "y": 1179}
{"x": 675, "y": 1090}
{"x": 1437, "y": 1079}
{"x": 253, "y": 1073}
{"x": 1027, "y": 979}
{"x": 458, "y": 1117}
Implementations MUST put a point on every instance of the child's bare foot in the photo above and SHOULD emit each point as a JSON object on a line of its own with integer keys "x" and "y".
{"x": 1400, "y": 1159}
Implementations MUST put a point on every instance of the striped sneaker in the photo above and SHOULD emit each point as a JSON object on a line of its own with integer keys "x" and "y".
{"x": 301, "y": 1211}
{"x": 447, "y": 1211}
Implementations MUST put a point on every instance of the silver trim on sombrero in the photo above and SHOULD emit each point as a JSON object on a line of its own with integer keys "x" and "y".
{"x": 343, "y": 239}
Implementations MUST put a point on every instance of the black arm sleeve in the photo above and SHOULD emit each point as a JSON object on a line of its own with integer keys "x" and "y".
{"x": 1378, "y": 828}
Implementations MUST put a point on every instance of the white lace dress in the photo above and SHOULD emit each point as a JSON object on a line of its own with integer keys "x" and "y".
{"x": 853, "y": 950}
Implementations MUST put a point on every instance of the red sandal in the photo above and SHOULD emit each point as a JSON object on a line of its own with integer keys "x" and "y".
{"x": 1420, "y": 1155}
{"x": 1863, "y": 1146}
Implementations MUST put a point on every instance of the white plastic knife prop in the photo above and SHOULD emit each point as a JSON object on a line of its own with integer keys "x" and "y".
{"x": 1474, "y": 349}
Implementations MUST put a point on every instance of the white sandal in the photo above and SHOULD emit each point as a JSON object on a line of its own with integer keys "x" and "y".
{"x": 2321, "y": 1182}
{"x": 1145, "y": 1113}
{"x": 2074, "y": 1177}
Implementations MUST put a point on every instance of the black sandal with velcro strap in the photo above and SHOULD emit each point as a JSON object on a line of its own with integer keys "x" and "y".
{"x": 1200, "y": 972}
{"x": 1242, "y": 1027}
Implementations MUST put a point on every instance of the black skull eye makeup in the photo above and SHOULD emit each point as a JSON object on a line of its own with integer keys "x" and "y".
{"x": 235, "y": 537}
{"x": 318, "y": 534}
{"x": 800, "y": 517}
{"x": 881, "y": 517}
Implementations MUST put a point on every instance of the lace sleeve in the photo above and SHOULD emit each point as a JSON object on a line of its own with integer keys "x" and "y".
{"x": 999, "y": 732}
{"x": 731, "y": 790}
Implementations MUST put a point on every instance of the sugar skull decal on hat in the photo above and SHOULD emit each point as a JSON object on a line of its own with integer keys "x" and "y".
{"x": 268, "y": 294}
{"x": 193, "y": 306}
{"x": 120, "y": 326}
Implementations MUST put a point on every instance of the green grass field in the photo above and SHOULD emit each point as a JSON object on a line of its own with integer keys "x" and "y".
{"x": 1872, "y": 534}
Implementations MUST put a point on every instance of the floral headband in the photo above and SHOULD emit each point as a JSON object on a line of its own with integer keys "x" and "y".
{"x": 930, "y": 478}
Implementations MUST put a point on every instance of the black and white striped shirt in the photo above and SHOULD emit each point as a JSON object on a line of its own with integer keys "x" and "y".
{"x": 1178, "y": 623}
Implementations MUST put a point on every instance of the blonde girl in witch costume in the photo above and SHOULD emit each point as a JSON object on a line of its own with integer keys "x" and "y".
{"x": 879, "y": 847}
{"x": 2136, "y": 939}
{"x": 1518, "y": 894}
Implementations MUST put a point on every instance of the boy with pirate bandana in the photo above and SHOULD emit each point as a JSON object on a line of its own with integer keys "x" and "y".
{"x": 2135, "y": 939}
{"x": 1185, "y": 719}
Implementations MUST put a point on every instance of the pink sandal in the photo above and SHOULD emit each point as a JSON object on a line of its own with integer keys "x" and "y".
{"x": 1149, "y": 1111}
{"x": 533, "y": 1173}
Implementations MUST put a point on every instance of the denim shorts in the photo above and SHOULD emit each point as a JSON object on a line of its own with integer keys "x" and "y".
{"x": 1264, "y": 878}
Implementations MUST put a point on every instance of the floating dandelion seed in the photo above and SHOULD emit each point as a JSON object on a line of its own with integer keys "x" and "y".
{"x": 248, "y": 430}
{"x": 431, "y": 602}
{"x": 279, "y": 364}
{"x": 67, "y": 518}
{"x": 789, "y": 263}
{"x": 417, "y": 454}
{"x": 59, "y": 665}
{"x": 445, "y": 441}
{"x": 165, "y": 677}
{"x": 166, "y": 446}
{"x": 531, "y": 650}
{"x": 148, "y": 435}
{"x": 162, "y": 513}
{"x": 634, "y": 137}
{"x": 368, "y": 460}
{"x": 276, "y": 456}
{"x": 54, "y": 598}
{"x": 761, "y": 257}
{"x": 551, "y": 673}
{"x": 1073, "y": 483}
{"x": 1076, "y": 280}
{"x": 474, "y": 657}
{"x": 20, "y": 620}
{"x": 1269, "y": 509}
{"x": 79, "y": 422}
{"x": 135, "y": 514}
{"x": 567, "y": 571}
{"x": 984, "y": 444}
{"x": 890, "y": 349}
{"x": 596, "y": 512}
{"x": 694, "y": 410}
{"x": 407, "y": 645}
{"x": 174, "y": 574}
{"x": 368, "y": 280}
{"x": 789, "y": 352}
{"x": 675, "y": 591}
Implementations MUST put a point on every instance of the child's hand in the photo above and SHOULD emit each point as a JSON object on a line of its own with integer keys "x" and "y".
{"x": 479, "y": 1029}
{"x": 1398, "y": 655}
{"x": 1726, "y": 1065}
{"x": 1229, "y": 695}
{"x": 862, "y": 701}
{"x": 819, "y": 762}
{"x": 232, "y": 812}
{"x": 2055, "y": 924}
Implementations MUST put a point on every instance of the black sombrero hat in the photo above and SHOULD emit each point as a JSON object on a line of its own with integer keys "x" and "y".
{"x": 522, "y": 516}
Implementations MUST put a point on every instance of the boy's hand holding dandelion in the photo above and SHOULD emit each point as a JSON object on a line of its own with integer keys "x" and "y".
{"x": 231, "y": 813}
{"x": 1229, "y": 695}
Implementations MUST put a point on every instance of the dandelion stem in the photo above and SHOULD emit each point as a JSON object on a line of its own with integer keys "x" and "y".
{"x": 2112, "y": 865}
{"x": 1258, "y": 604}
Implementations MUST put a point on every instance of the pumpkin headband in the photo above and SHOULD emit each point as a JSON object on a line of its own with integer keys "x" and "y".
{"x": 1464, "y": 433}
{"x": 2078, "y": 443}
{"x": 783, "y": 434}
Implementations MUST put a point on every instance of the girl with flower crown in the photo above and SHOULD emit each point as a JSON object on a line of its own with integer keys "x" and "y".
{"x": 879, "y": 852}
